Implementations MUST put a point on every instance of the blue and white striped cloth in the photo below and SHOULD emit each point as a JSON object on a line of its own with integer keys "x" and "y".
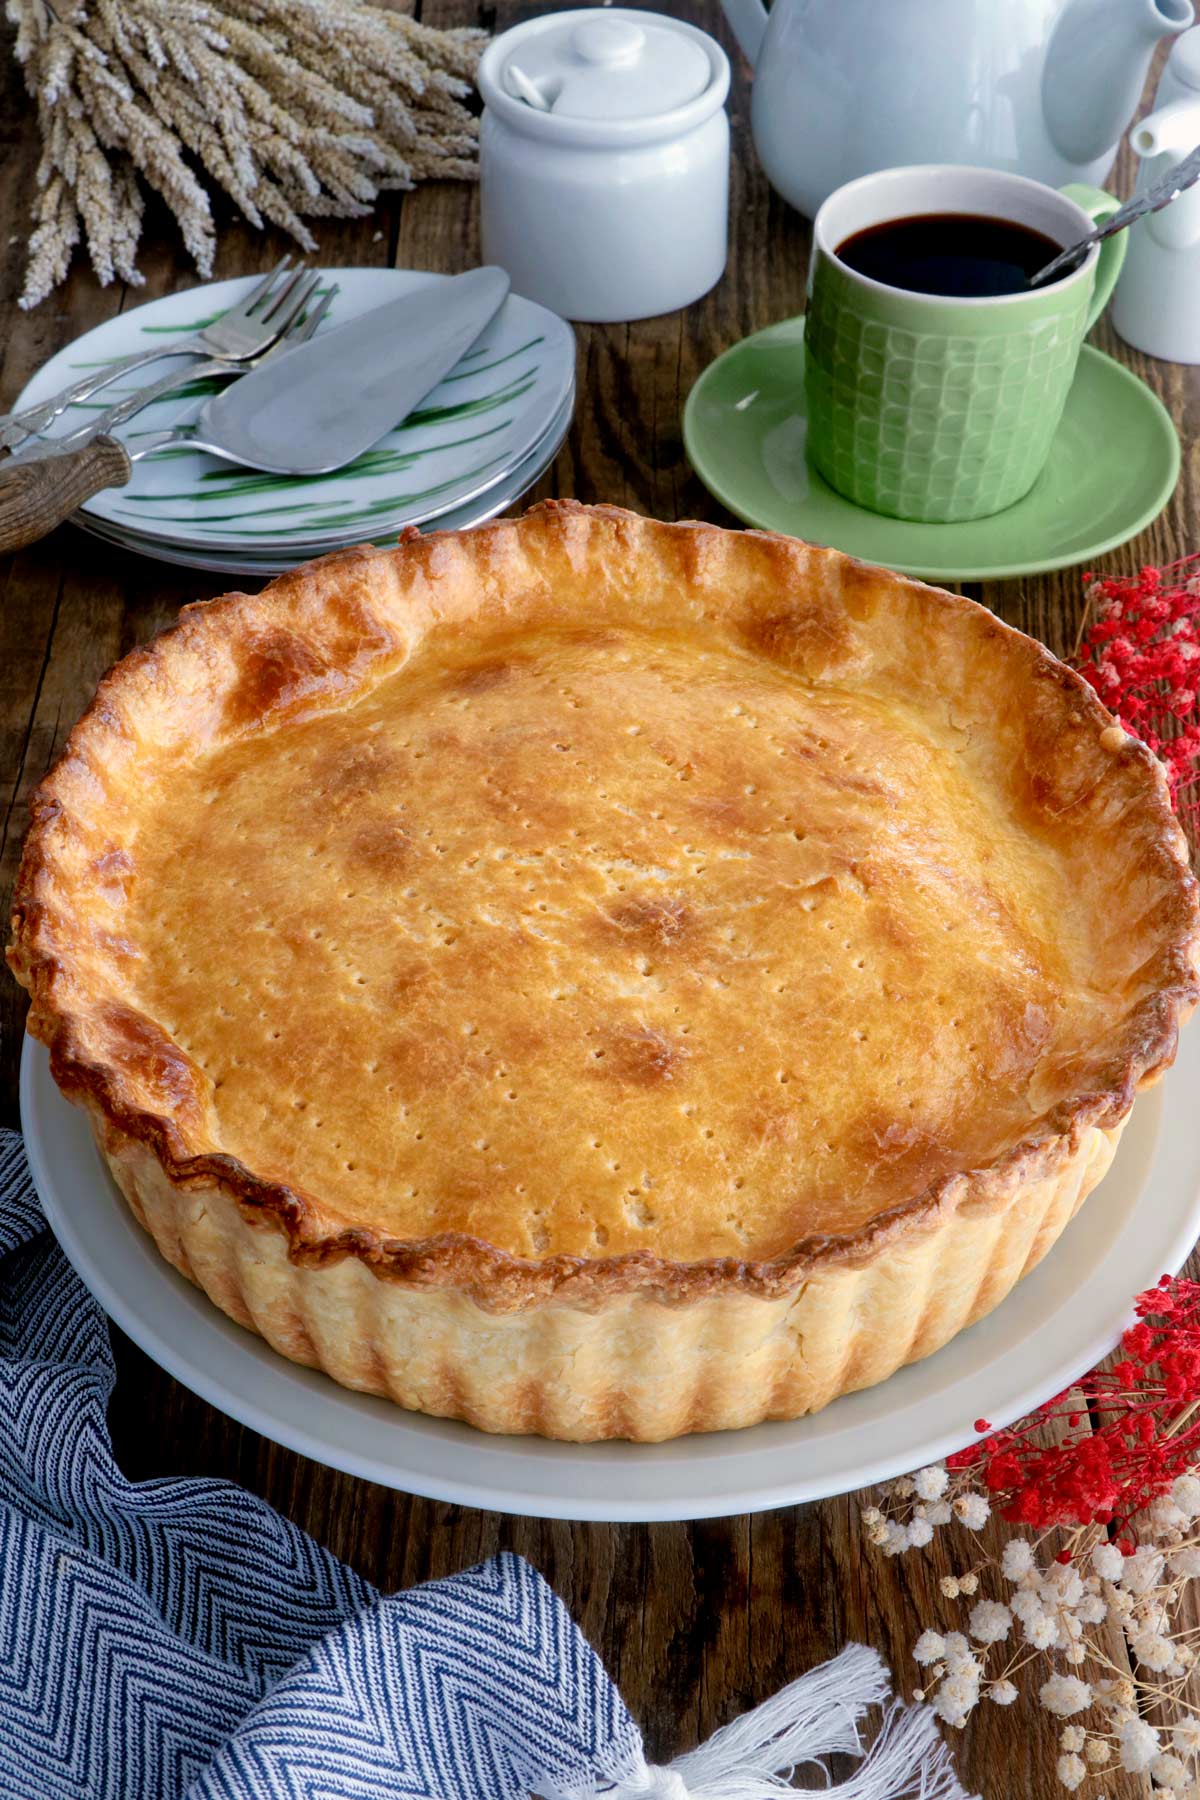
{"x": 178, "y": 1640}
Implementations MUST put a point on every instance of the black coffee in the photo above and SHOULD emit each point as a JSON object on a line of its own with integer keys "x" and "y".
{"x": 963, "y": 255}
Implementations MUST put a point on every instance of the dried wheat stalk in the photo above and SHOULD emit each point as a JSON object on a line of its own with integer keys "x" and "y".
{"x": 296, "y": 108}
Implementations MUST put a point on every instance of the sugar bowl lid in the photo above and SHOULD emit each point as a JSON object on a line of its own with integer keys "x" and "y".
{"x": 601, "y": 67}
{"x": 602, "y": 70}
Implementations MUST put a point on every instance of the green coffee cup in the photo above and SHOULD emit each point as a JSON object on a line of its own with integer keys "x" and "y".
{"x": 924, "y": 407}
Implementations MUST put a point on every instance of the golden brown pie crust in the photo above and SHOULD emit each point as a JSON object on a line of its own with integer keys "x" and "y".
{"x": 628, "y": 978}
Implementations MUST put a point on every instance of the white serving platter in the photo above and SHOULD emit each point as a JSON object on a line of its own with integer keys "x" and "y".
{"x": 1139, "y": 1224}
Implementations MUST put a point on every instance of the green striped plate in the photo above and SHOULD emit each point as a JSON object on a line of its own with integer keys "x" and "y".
{"x": 471, "y": 433}
{"x": 262, "y": 564}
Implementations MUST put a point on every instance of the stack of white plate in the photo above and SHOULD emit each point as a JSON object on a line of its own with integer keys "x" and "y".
{"x": 473, "y": 447}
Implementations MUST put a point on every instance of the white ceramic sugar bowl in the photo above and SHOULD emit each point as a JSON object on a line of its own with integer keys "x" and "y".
{"x": 604, "y": 161}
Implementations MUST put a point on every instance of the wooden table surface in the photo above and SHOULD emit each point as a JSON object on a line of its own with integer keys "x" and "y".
{"x": 696, "y": 1621}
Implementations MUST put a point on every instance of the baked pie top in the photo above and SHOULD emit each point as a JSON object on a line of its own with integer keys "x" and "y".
{"x": 579, "y": 898}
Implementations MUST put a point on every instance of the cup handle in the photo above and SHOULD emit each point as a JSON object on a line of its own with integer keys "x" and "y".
{"x": 1099, "y": 206}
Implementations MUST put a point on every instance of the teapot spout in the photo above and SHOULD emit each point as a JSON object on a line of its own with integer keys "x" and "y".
{"x": 748, "y": 21}
{"x": 1096, "y": 65}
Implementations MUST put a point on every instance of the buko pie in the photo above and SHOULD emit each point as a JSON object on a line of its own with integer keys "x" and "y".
{"x": 603, "y": 978}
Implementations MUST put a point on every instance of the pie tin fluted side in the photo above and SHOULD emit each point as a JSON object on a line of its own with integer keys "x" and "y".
{"x": 641, "y": 1369}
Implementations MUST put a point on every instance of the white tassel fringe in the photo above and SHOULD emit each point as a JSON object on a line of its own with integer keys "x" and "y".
{"x": 753, "y": 1758}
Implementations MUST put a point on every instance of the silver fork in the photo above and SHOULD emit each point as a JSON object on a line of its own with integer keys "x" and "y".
{"x": 247, "y": 329}
{"x": 42, "y": 487}
{"x": 296, "y": 330}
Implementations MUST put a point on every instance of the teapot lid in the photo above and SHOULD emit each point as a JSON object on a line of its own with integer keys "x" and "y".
{"x": 606, "y": 64}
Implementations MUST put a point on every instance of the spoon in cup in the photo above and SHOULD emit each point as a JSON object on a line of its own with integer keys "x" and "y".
{"x": 1161, "y": 194}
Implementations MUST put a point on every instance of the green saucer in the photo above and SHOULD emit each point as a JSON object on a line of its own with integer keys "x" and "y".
{"x": 1112, "y": 468}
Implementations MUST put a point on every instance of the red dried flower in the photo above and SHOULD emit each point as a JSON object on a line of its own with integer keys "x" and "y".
{"x": 1137, "y": 1429}
{"x": 1141, "y": 653}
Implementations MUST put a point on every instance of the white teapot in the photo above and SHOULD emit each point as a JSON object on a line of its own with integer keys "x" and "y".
{"x": 1041, "y": 87}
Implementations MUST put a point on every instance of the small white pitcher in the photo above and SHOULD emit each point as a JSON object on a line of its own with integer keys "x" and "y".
{"x": 1156, "y": 307}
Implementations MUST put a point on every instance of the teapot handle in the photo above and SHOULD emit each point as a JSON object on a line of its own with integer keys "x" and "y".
{"x": 747, "y": 20}
{"x": 1099, "y": 206}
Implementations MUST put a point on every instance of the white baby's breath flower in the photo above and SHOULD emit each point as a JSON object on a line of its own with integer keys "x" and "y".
{"x": 1143, "y": 1570}
{"x": 1072, "y": 1737}
{"x": 1075, "y": 1654}
{"x": 904, "y": 1487}
{"x": 1114, "y": 1693}
{"x": 972, "y": 1510}
{"x": 1016, "y": 1559}
{"x": 1071, "y": 1770}
{"x": 1041, "y": 1632}
{"x": 930, "y": 1647}
{"x": 1139, "y": 1745}
{"x": 955, "y": 1698}
{"x": 1118, "y": 1602}
{"x": 895, "y": 1541}
{"x": 949, "y": 1586}
{"x": 968, "y": 1583}
{"x": 1168, "y": 1771}
{"x": 870, "y": 1515}
{"x": 1091, "y": 1610}
{"x": 1185, "y": 1737}
{"x": 957, "y": 1648}
{"x": 1026, "y": 1603}
{"x": 938, "y": 1512}
{"x": 1107, "y": 1562}
{"x": 990, "y": 1623}
{"x": 1097, "y": 1750}
{"x": 1185, "y": 1492}
{"x": 1185, "y": 1562}
{"x": 920, "y": 1533}
{"x": 931, "y": 1483}
{"x": 1149, "y": 1614}
{"x": 1165, "y": 1516}
{"x": 1061, "y": 1585}
{"x": 1002, "y": 1692}
{"x": 1064, "y": 1695}
{"x": 1153, "y": 1650}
